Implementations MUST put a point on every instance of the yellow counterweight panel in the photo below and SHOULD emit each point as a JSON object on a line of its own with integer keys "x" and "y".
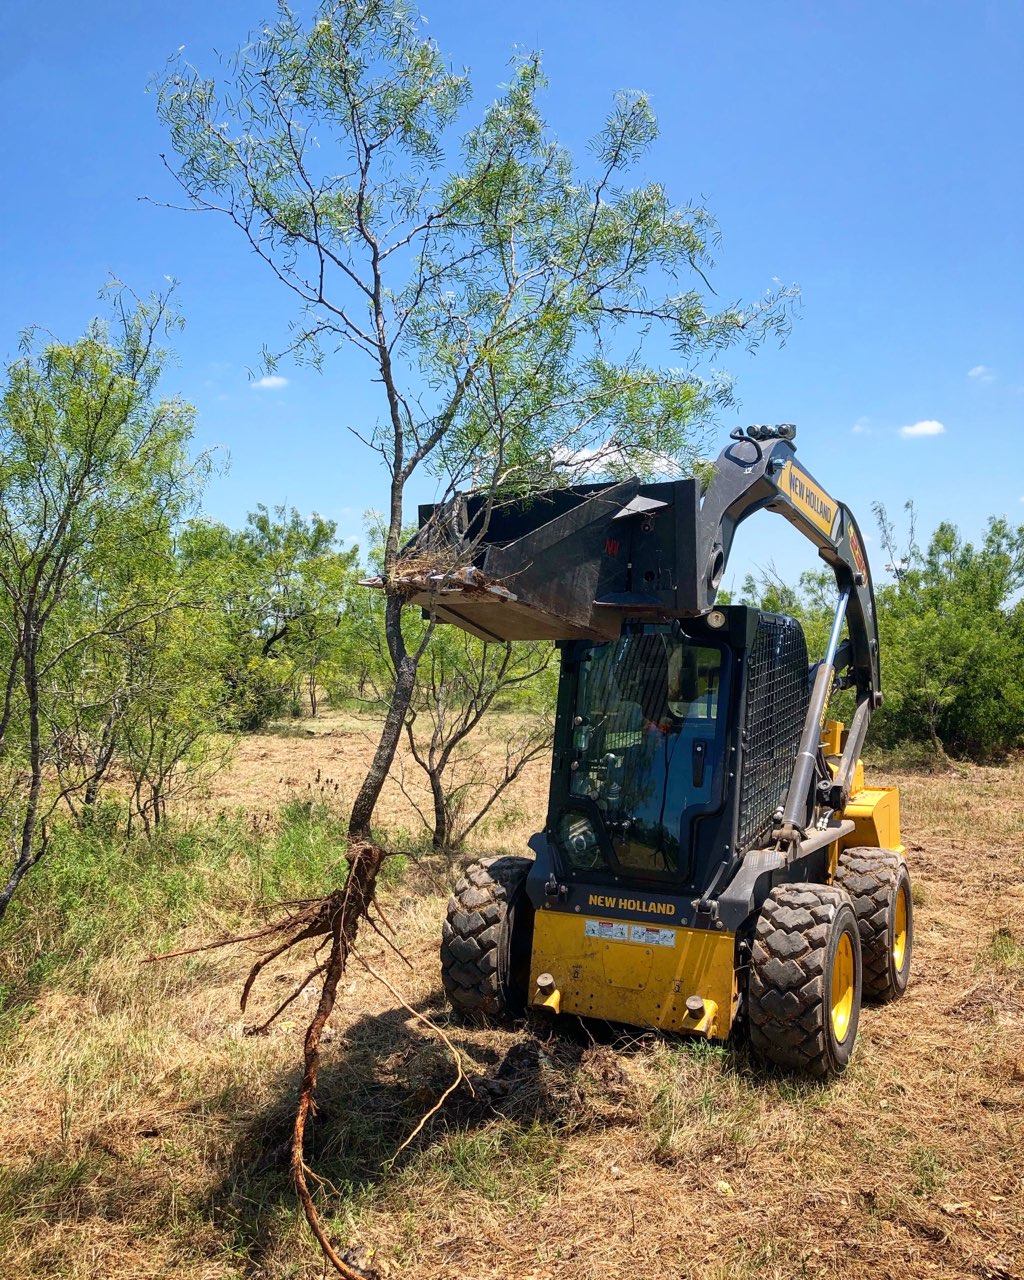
{"x": 637, "y": 973}
{"x": 876, "y": 814}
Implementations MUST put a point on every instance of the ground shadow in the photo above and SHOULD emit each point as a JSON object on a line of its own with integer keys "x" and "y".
{"x": 386, "y": 1071}
{"x": 377, "y": 1080}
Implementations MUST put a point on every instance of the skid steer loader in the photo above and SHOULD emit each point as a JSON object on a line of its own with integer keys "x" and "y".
{"x": 711, "y": 855}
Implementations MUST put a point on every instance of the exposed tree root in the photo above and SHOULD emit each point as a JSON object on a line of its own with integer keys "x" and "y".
{"x": 264, "y": 1027}
{"x": 347, "y": 907}
{"x": 460, "y": 1075}
{"x": 336, "y": 917}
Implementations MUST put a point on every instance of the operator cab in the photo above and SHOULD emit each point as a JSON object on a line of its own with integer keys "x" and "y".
{"x": 650, "y": 744}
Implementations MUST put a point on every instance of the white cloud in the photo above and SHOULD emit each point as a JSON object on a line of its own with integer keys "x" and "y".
{"x": 597, "y": 462}
{"x": 982, "y": 373}
{"x": 861, "y": 427}
{"x": 928, "y": 427}
{"x": 270, "y": 382}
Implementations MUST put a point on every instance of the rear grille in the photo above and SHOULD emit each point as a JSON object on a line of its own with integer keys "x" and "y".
{"x": 776, "y": 706}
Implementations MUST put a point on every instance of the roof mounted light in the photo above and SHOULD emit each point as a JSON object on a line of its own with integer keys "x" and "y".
{"x": 781, "y": 431}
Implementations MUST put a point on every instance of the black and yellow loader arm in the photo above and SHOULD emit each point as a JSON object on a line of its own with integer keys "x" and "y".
{"x": 752, "y": 475}
{"x": 759, "y": 471}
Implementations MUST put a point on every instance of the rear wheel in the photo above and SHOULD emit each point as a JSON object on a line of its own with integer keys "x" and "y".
{"x": 486, "y": 939}
{"x": 804, "y": 989}
{"x": 878, "y": 883}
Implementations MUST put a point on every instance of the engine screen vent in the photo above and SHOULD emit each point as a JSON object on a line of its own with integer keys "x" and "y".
{"x": 776, "y": 707}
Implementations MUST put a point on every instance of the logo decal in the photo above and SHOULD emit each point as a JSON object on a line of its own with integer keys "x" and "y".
{"x": 858, "y": 554}
{"x": 808, "y": 498}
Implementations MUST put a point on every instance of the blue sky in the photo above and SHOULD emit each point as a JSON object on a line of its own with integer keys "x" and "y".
{"x": 870, "y": 152}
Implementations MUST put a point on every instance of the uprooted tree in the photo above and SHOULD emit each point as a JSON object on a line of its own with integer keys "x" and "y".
{"x": 500, "y": 294}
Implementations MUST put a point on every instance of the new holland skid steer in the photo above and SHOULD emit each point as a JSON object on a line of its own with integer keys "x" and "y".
{"x": 711, "y": 855}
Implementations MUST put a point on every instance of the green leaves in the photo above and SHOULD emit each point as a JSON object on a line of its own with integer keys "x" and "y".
{"x": 951, "y": 631}
{"x": 277, "y": 592}
{"x": 502, "y": 292}
{"x": 952, "y": 634}
{"x": 94, "y": 477}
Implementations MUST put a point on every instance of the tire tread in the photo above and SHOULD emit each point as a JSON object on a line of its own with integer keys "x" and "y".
{"x": 870, "y": 876}
{"x": 787, "y": 981}
{"x": 474, "y": 934}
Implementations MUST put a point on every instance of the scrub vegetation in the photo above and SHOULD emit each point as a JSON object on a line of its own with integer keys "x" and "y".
{"x": 144, "y": 1134}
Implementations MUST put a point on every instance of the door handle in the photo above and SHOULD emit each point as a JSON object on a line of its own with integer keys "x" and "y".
{"x": 700, "y": 754}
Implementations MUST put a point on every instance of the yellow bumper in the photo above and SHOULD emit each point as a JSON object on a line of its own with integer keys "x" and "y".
{"x": 641, "y": 974}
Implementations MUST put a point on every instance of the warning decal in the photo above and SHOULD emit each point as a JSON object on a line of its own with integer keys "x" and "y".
{"x": 609, "y": 929}
{"x": 652, "y": 937}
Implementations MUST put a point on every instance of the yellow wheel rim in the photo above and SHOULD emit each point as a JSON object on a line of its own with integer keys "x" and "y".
{"x": 842, "y": 988}
{"x": 899, "y": 931}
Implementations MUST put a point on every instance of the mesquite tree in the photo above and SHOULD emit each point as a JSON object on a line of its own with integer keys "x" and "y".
{"x": 499, "y": 292}
{"x": 94, "y": 474}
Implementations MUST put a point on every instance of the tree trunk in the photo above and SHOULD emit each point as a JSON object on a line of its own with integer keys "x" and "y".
{"x": 936, "y": 742}
{"x": 441, "y": 832}
{"x": 391, "y": 731}
{"x": 27, "y": 852}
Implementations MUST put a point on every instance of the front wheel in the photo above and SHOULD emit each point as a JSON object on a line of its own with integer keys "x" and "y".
{"x": 486, "y": 940}
{"x": 804, "y": 988}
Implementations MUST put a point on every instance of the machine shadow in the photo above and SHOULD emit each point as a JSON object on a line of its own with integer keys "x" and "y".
{"x": 376, "y": 1082}
{"x": 384, "y": 1074}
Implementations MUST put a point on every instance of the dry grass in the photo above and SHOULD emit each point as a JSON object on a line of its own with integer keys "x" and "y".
{"x": 144, "y": 1136}
{"x": 331, "y": 752}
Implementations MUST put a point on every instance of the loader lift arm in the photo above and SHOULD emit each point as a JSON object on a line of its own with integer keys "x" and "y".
{"x": 758, "y": 470}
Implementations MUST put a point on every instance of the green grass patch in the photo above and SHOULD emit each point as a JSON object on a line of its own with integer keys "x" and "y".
{"x": 928, "y": 1170}
{"x": 98, "y": 892}
{"x": 1006, "y": 951}
{"x": 501, "y": 1162}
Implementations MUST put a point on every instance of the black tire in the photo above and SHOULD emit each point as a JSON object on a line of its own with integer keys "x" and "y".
{"x": 805, "y": 960}
{"x": 878, "y": 883}
{"x": 485, "y": 941}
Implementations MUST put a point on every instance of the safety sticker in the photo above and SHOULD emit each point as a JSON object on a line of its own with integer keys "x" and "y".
{"x": 608, "y": 929}
{"x": 652, "y": 937}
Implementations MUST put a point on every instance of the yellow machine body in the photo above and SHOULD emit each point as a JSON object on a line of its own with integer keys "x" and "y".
{"x": 876, "y": 814}
{"x": 636, "y": 972}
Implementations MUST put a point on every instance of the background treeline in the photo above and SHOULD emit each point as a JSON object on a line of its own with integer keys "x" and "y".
{"x": 136, "y": 636}
{"x": 951, "y": 630}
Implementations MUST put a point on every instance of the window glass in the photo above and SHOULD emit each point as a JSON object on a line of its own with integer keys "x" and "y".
{"x": 644, "y": 734}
